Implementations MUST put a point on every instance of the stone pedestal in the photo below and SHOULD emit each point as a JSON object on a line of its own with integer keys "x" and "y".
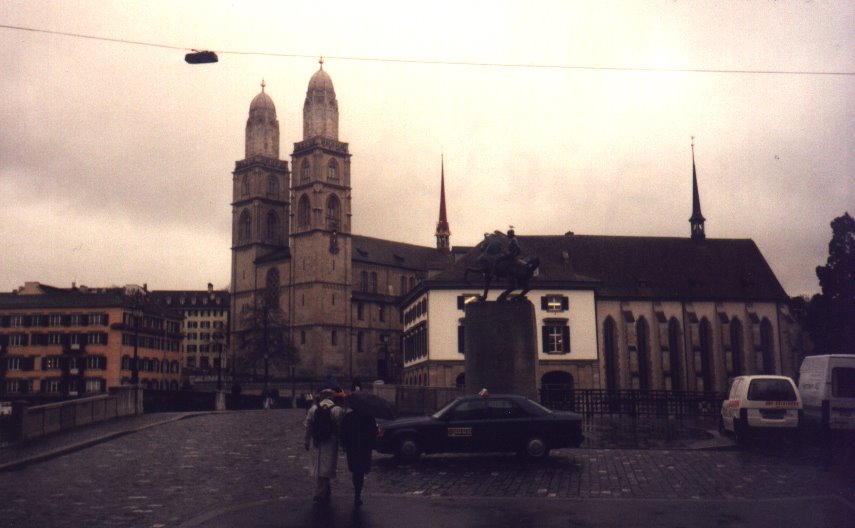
{"x": 501, "y": 348}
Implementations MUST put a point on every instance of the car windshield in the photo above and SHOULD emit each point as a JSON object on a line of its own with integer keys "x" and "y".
{"x": 771, "y": 390}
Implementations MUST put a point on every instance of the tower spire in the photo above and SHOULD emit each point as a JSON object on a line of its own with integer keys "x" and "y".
{"x": 443, "y": 233}
{"x": 697, "y": 219}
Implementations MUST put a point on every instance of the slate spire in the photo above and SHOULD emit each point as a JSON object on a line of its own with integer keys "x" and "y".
{"x": 697, "y": 219}
{"x": 443, "y": 233}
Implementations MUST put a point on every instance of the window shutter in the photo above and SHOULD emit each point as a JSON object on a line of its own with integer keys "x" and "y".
{"x": 544, "y": 303}
{"x": 565, "y": 303}
{"x": 544, "y": 335}
{"x": 460, "y": 303}
{"x": 461, "y": 339}
{"x": 565, "y": 338}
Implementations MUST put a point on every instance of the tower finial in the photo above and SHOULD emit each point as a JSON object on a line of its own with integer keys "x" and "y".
{"x": 321, "y": 62}
{"x": 263, "y": 84}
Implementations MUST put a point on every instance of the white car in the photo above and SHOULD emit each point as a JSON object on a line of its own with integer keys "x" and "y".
{"x": 761, "y": 403}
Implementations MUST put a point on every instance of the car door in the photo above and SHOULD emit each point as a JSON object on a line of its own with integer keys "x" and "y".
{"x": 506, "y": 427}
{"x": 463, "y": 424}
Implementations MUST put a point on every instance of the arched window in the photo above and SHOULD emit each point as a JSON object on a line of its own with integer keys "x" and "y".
{"x": 332, "y": 170}
{"x": 766, "y": 345}
{"x": 244, "y": 185}
{"x": 272, "y": 185}
{"x": 610, "y": 353}
{"x": 272, "y": 227}
{"x": 304, "y": 212}
{"x": 333, "y": 213}
{"x": 244, "y": 227}
{"x": 737, "y": 347}
{"x": 643, "y": 335}
{"x": 460, "y": 381}
{"x": 271, "y": 289}
{"x": 705, "y": 376}
{"x": 674, "y": 353}
{"x": 304, "y": 171}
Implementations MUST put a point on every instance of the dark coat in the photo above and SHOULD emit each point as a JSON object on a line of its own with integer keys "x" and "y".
{"x": 358, "y": 433}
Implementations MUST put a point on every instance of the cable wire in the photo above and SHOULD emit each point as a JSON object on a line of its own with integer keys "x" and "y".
{"x": 447, "y": 62}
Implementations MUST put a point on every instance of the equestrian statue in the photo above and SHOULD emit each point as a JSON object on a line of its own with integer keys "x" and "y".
{"x": 500, "y": 260}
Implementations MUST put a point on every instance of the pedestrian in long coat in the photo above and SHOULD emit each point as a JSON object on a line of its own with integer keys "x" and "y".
{"x": 323, "y": 457}
{"x": 358, "y": 434}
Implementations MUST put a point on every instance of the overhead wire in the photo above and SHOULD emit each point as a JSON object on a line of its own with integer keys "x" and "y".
{"x": 438, "y": 62}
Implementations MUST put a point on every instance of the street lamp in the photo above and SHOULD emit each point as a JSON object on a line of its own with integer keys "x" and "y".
{"x": 137, "y": 313}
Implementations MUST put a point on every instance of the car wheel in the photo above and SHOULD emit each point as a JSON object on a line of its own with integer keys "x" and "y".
{"x": 408, "y": 449}
{"x": 535, "y": 448}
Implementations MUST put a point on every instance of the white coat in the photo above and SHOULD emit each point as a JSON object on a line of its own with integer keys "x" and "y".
{"x": 323, "y": 458}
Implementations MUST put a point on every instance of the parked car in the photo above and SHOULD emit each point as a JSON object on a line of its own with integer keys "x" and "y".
{"x": 491, "y": 423}
{"x": 761, "y": 403}
{"x": 827, "y": 388}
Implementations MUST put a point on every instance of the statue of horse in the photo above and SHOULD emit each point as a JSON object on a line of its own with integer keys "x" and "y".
{"x": 491, "y": 265}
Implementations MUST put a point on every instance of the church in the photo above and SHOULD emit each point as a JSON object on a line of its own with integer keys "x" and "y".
{"x": 293, "y": 250}
{"x": 613, "y": 312}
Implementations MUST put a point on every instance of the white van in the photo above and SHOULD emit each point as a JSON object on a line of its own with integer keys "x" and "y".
{"x": 827, "y": 387}
{"x": 761, "y": 403}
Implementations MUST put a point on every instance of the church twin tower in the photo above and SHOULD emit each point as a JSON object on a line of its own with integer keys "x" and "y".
{"x": 292, "y": 246}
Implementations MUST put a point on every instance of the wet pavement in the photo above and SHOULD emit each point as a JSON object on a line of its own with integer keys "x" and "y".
{"x": 249, "y": 469}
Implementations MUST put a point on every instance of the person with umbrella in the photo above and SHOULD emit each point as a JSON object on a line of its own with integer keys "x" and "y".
{"x": 358, "y": 434}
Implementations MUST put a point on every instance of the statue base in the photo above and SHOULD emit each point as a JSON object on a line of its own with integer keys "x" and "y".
{"x": 501, "y": 348}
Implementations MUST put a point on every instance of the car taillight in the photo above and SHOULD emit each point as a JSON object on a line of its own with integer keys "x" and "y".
{"x": 380, "y": 432}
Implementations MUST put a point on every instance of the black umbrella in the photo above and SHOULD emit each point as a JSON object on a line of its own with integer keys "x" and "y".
{"x": 371, "y": 404}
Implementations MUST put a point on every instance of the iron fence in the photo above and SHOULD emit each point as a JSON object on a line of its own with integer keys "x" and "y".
{"x": 632, "y": 402}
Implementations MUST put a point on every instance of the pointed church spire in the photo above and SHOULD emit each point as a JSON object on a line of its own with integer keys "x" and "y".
{"x": 443, "y": 232}
{"x": 697, "y": 219}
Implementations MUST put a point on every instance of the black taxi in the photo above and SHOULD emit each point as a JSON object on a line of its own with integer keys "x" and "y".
{"x": 482, "y": 424}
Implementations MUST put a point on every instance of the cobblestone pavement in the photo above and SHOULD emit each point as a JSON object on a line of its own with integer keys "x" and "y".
{"x": 178, "y": 470}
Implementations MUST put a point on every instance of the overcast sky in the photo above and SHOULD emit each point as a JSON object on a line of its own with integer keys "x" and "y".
{"x": 116, "y": 159}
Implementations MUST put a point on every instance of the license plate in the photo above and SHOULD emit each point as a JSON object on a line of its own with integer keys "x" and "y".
{"x": 773, "y": 414}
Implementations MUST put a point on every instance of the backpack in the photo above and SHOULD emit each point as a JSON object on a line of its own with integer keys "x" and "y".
{"x": 322, "y": 425}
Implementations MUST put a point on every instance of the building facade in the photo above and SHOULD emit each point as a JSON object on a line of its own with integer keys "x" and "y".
{"x": 294, "y": 254}
{"x": 204, "y": 327}
{"x": 647, "y": 313}
{"x": 57, "y": 343}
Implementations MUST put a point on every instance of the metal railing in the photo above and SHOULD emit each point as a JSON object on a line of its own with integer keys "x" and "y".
{"x": 632, "y": 402}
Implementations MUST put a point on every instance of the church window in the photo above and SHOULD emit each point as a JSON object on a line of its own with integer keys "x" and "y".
{"x": 302, "y": 337}
{"x": 360, "y": 342}
{"x": 333, "y": 213}
{"x": 736, "y": 340}
{"x": 334, "y": 338}
{"x": 363, "y": 281}
{"x": 304, "y": 212}
{"x": 244, "y": 227}
{"x": 271, "y": 289}
{"x": 610, "y": 353}
{"x": 382, "y": 313}
{"x": 272, "y": 227}
{"x": 244, "y": 186}
{"x": 674, "y": 348}
{"x": 556, "y": 336}
{"x": 272, "y": 186}
{"x": 764, "y": 359}
{"x": 360, "y": 311}
{"x": 332, "y": 170}
{"x": 372, "y": 285}
{"x": 305, "y": 170}
{"x": 403, "y": 285}
{"x": 705, "y": 376}
{"x": 643, "y": 333}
